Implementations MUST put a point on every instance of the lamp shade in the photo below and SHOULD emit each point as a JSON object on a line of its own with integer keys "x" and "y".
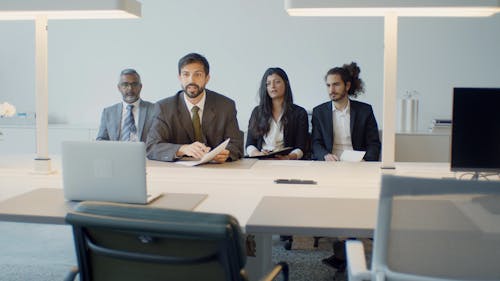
{"x": 408, "y": 8}
{"x": 69, "y": 9}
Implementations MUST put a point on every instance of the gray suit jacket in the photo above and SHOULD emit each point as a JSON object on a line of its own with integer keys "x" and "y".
{"x": 111, "y": 121}
{"x": 172, "y": 126}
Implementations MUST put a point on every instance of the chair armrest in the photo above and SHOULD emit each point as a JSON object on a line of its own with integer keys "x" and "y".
{"x": 356, "y": 262}
{"x": 72, "y": 274}
{"x": 281, "y": 267}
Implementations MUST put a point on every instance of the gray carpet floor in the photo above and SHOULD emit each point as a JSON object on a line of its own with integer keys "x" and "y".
{"x": 39, "y": 252}
{"x": 35, "y": 252}
{"x": 305, "y": 260}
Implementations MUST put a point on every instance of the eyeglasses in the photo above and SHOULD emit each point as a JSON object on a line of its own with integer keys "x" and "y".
{"x": 131, "y": 85}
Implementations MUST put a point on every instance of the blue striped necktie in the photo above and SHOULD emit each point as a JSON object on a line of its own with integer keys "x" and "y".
{"x": 128, "y": 127}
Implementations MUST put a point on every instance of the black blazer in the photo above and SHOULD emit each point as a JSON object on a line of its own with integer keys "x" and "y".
{"x": 172, "y": 126}
{"x": 364, "y": 130}
{"x": 295, "y": 134}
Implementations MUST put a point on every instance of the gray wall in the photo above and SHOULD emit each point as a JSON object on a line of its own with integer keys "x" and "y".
{"x": 241, "y": 39}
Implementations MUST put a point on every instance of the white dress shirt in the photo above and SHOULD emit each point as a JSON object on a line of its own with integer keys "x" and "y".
{"x": 273, "y": 140}
{"x": 341, "y": 129}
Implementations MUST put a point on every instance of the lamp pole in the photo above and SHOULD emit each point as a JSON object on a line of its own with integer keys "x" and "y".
{"x": 42, "y": 161}
{"x": 390, "y": 89}
{"x": 41, "y": 11}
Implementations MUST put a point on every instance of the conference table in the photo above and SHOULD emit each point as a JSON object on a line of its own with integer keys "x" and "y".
{"x": 341, "y": 202}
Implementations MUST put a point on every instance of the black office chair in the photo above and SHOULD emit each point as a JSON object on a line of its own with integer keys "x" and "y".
{"x": 130, "y": 242}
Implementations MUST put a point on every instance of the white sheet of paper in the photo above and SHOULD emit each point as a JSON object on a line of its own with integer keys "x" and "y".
{"x": 207, "y": 157}
{"x": 352, "y": 156}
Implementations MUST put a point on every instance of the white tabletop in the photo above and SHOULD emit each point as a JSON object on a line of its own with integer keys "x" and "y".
{"x": 237, "y": 188}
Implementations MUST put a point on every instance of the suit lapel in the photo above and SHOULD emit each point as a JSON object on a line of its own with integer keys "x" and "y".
{"x": 142, "y": 118}
{"x": 184, "y": 116}
{"x": 328, "y": 117}
{"x": 353, "y": 116}
{"x": 287, "y": 131}
{"x": 116, "y": 126}
{"x": 208, "y": 115}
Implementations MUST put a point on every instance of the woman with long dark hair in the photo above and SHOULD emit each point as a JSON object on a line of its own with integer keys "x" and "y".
{"x": 277, "y": 122}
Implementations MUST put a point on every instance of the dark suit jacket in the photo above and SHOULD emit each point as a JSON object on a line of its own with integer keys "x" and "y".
{"x": 364, "y": 130}
{"x": 295, "y": 134}
{"x": 172, "y": 127}
{"x": 111, "y": 121}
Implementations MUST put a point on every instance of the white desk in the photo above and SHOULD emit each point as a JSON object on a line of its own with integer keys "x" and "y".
{"x": 47, "y": 205}
{"x": 330, "y": 217}
{"x": 238, "y": 188}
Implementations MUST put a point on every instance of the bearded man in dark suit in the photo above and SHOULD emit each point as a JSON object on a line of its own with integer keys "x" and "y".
{"x": 174, "y": 134}
{"x": 342, "y": 123}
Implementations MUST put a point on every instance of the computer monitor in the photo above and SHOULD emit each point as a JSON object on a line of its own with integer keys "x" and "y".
{"x": 475, "y": 138}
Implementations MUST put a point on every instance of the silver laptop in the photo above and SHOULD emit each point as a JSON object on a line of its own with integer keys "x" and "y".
{"x": 105, "y": 171}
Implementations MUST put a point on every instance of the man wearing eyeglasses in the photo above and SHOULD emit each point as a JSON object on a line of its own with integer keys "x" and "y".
{"x": 130, "y": 119}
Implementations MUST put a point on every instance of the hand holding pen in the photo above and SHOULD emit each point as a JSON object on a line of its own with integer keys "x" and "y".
{"x": 195, "y": 150}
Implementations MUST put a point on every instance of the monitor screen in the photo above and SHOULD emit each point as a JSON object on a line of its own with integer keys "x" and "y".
{"x": 475, "y": 137}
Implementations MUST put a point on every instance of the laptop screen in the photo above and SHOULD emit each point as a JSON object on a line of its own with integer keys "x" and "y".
{"x": 104, "y": 171}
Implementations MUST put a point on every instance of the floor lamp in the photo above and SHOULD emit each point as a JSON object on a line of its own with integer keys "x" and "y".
{"x": 41, "y": 11}
{"x": 391, "y": 10}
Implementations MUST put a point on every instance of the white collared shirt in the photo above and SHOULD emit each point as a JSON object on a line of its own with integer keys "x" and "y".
{"x": 273, "y": 140}
{"x": 200, "y": 105}
{"x": 341, "y": 129}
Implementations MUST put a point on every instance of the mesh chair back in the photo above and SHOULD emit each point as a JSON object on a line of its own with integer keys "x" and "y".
{"x": 438, "y": 229}
{"x": 126, "y": 242}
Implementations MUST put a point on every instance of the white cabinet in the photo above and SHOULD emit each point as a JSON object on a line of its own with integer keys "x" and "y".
{"x": 17, "y": 139}
{"x": 21, "y": 139}
{"x": 423, "y": 147}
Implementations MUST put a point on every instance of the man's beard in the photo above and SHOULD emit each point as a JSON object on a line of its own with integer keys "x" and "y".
{"x": 130, "y": 98}
{"x": 338, "y": 97}
{"x": 195, "y": 94}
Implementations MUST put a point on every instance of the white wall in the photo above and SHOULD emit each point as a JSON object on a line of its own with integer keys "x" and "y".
{"x": 241, "y": 39}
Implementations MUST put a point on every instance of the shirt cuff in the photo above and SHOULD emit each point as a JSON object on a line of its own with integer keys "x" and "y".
{"x": 299, "y": 153}
{"x": 251, "y": 149}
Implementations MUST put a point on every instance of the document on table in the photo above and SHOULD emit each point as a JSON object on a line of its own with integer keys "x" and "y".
{"x": 207, "y": 157}
{"x": 352, "y": 156}
{"x": 274, "y": 153}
